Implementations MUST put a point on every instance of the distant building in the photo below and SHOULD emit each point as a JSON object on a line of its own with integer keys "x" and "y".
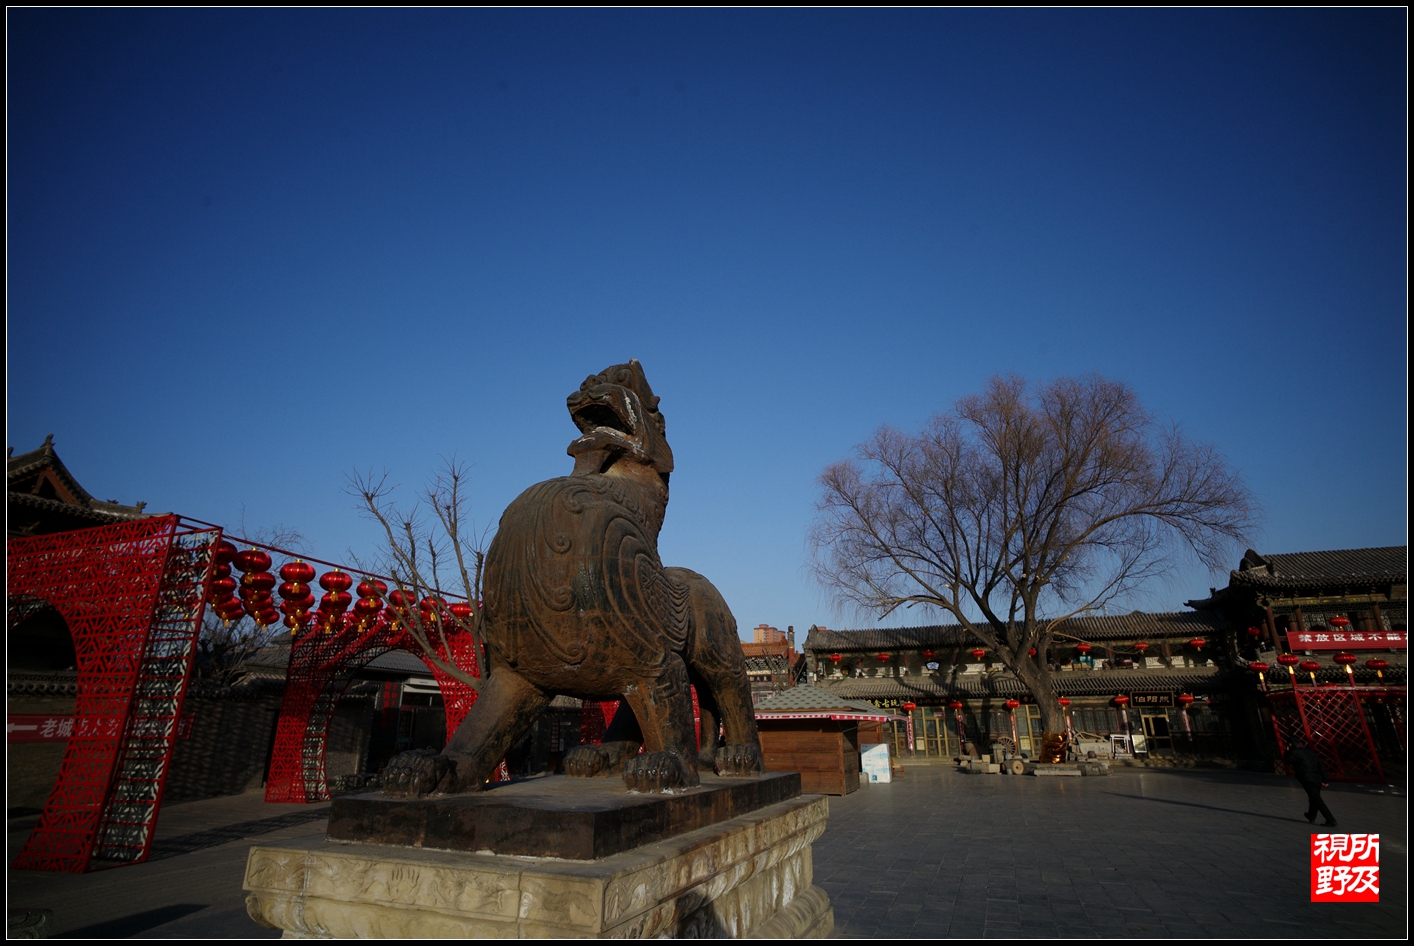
{"x": 772, "y": 664}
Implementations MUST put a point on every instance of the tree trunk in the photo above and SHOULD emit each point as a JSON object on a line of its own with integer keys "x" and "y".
{"x": 1037, "y": 680}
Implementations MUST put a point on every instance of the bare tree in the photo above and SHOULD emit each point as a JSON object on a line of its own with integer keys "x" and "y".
{"x": 423, "y": 553}
{"x": 224, "y": 647}
{"x": 1021, "y": 508}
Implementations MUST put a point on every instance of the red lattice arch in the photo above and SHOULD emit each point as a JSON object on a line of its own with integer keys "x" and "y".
{"x": 132, "y": 595}
{"x": 1332, "y": 722}
{"x": 322, "y": 663}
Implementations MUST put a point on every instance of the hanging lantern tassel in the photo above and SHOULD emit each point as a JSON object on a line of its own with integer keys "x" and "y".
{"x": 1065, "y": 708}
{"x": 1260, "y": 668}
{"x": 1011, "y": 706}
{"x": 1379, "y": 665}
{"x": 1311, "y": 666}
{"x": 1289, "y": 661}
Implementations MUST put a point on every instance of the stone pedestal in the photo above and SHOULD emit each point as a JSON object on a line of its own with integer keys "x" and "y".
{"x": 747, "y": 875}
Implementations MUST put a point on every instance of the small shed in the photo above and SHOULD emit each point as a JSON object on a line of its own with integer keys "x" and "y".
{"x": 811, "y": 731}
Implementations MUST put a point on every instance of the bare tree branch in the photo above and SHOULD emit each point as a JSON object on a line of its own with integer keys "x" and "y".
{"x": 1021, "y": 508}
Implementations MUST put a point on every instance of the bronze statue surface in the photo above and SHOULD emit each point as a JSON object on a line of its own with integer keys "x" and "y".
{"x": 577, "y": 602}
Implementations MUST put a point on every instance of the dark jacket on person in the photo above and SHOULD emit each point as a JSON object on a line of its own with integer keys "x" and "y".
{"x": 1306, "y": 764}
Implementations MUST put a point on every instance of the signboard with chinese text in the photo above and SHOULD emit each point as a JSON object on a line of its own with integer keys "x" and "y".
{"x": 1345, "y": 868}
{"x": 1150, "y": 698}
{"x": 1347, "y": 640}
{"x": 40, "y": 727}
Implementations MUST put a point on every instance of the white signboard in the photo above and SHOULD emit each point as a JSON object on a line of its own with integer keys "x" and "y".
{"x": 874, "y": 762}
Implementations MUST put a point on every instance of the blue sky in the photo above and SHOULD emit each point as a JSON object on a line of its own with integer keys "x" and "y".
{"x": 253, "y": 251}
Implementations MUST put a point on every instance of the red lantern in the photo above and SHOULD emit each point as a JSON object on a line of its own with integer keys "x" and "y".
{"x": 1197, "y": 644}
{"x": 223, "y": 553}
{"x": 1340, "y": 623}
{"x": 908, "y": 707}
{"x": 1121, "y": 700}
{"x": 955, "y": 705}
{"x": 1064, "y": 701}
{"x": 431, "y": 604}
{"x": 1257, "y": 666}
{"x": 1142, "y": 646}
{"x": 1311, "y": 666}
{"x": 294, "y": 590}
{"x": 927, "y": 655}
{"x": 978, "y": 653}
{"x": 1288, "y": 660}
{"x": 366, "y": 608}
{"x": 1012, "y": 705}
{"x": 1185, "y": 699}
{"x": 299, "y": 571}
{"x": 257, "y": 581}
{"x": 223, "y": 588}
{"x": 336, "y": 581}
{"x": 836, "y": 658}
{"x": 371, "y": 588}
{"x": 462, "y": 611}
{"x": 1083, "y": 647}
{"x": 1344, "y": 659}
{"x": 252, "y": 560}
{"x": 1254, "y": 632}
{"x": 401, "y": 599}
{"x": 1031, "y": 652}
{"x": 1379, "y": 665}
{"x": 883, "y": 656}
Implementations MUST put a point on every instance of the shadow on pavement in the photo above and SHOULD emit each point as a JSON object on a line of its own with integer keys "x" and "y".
{"x": 187, "y": 843}
{"x": 1194, "y": 804}
{"x": 126, "y": 926}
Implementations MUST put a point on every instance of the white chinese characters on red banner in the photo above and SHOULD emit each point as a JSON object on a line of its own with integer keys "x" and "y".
{"x": 1347, "y": 640}
{"x": 1345, "y": 868}
{"x": 38, "y": 727}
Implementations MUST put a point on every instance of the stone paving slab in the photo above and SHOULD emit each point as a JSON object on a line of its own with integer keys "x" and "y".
{"x": 1140, "y": 853}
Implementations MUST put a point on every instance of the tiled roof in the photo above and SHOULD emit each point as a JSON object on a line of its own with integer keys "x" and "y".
{"x": 1135, "y": 625}
{"x": 1373, "y": 566}
{"x": 1079, "y": 683}
{"x": 807, "y": 698}
{"x": 19, "y": 469}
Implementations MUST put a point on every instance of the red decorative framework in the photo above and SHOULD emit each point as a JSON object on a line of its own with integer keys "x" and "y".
{"x": 322, "y": 663}
{"x": 132, "y": 595}
{"x": 1331, "y": 720}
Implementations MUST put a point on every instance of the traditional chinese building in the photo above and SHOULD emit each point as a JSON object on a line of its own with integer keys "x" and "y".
{"x": 1177, "y": 683}
{"x": 42, "y": 497}
{"x": 772, "y": 664}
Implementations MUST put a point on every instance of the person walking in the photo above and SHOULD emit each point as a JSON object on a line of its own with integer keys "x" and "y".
{"x": 1310, "y": 771}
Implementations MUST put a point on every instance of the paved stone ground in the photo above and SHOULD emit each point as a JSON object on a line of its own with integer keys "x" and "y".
{"x": 1142, "y": 853}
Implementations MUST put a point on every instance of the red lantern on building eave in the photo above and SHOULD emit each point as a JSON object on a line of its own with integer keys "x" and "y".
{"x": 1083, "y": 647}
{"x": 908, "y": 707}
{"x": 955, "y": 705}
{"x": 1197, "y": 643}
{"x": 1288, "y": 660}
{"x": 1254, "y": 632}
{"x": 883, "y": 656}
{"x": 1012, "y": 705}
{"x": 1064, "y": 701}
{"x": 978, "y": 653}
{"x": 1344, "y": 659}
{"x": 1185, "y": 699}
{"x": 836, "y": 658}
{"x": 1310, "y": 666}
{"x": 928, "y": 655}
{"x": 1379, "y": 665}
{"x": 1258, "y": 666}
{"x": 1340, "y": 623}
{"x": 1121, "y": 700}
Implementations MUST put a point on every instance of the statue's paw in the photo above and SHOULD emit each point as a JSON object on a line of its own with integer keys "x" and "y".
{"x": 660, "y": 772}
{"x": 739, "y": 759}
{"x": 585, "y": 761}
{"x": 417, "y": 773}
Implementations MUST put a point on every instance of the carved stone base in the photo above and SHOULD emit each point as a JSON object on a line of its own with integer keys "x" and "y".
{"x": 750, "y": 876}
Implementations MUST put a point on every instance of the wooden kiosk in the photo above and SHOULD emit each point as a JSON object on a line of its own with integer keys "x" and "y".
{"x": 811, "y": 731}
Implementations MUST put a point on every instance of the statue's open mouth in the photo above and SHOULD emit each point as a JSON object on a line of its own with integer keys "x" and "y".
{"x": 600, "y": 416}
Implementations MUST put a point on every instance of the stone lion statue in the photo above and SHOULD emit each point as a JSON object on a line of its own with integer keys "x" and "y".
{"x": 577, "y": 602}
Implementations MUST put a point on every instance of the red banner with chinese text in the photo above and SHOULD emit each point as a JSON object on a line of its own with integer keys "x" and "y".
{"x": 1345, "y": 868}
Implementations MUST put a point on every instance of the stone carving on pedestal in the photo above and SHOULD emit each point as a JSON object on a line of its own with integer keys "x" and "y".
{"x": 578, "y": 603}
